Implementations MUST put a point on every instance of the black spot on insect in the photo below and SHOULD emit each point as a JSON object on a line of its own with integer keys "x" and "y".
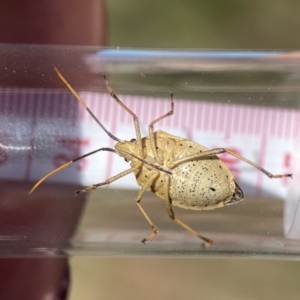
{"x": 132, "y": 140}
{"x": 212, "y": 189}
{"x": 191, "y": 146}
{"x": 156, "y": 148}
{"x": 180, "y": 144}
{"x": 220, "y": 167}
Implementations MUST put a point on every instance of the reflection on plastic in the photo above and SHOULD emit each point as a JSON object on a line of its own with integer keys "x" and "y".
{"x": 292, "y": 203}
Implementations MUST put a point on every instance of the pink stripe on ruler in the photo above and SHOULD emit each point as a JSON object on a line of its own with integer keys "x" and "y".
{"x": 108, "y": 109}
{"x": 100, "y": 99}
{"x": 228, "y": 125}
{"x": 296, "y": 125}
{"x": 259, "y": 120}
{"x": 263, "y": 148}
{"x": 244, "y": 121}
{"x": 287, "y": 132}
{"x": 146, "y": 107}
{"x": 163, "y": 109}
{"x": 238, "y": 119}
{"x": 221, "y": 118}
{"x": 274, "y": 122}
{"x": 281, "y": 120}
{"x": 193, "y": 115}
{"x": 186, "y": 115}
{"x": 178, "y": 115}
{"x": 206, "y": 116}
{"x": 198, "y": 108}
{"x": 252, "y": 120}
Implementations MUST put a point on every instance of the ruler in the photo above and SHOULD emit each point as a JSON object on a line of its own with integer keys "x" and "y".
{"x": 42, "y": 129}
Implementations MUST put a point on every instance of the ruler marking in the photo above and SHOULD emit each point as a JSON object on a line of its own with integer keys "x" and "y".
{"x": 227, "y": 125}
{"x": 260, "y": 122}
{"x": 206, "y": 115}
{"x": 178, "y": 117}
{"x": 145, "y": 110}
{"x": 280, "y": 125}
{"x": 193, "y": 117}
{"x": 287, "y": 133}
{"x": 262, "y": 156}
{"x": 273, "y": 123}
{"x": 212, "y": 124}
{"x": 244, "y": 121}
{"x": 221, "y": 119}
{"x": 239, "y": 121}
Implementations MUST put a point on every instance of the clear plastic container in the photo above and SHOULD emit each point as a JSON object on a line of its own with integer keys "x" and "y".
{"x": 245, "y": 101}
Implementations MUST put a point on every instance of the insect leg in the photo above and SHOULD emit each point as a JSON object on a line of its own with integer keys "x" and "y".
{"x": 154, "y": 174}
{"x": 84, "y": 105}
{"x": 172, "y": 216}
{"x": 223, "y": 150}
{"x": 107, "y": 181}
{"x": 135, "y": 118}
{"x": 151, "y": 133}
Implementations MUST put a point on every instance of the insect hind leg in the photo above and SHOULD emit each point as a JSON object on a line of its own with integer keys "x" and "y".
{"x": 172, "y": 216}
{"x": 154, "y": 175}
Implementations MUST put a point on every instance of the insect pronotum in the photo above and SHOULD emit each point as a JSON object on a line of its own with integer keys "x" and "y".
{"x": 181, "y": 172}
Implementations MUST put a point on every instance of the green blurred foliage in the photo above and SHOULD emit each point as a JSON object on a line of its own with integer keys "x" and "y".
{"x": 240, "y": 24}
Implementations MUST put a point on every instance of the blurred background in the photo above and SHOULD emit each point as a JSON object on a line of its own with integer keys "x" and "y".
{"x": 183, "y": 24}
{"x": 231, "y": 24}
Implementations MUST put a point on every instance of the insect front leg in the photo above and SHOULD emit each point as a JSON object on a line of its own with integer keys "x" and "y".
{"x": 172, "y": 216}
{"x": 108, "y": 181}
{"x": 223, "y": 150}
{"x": 154, "y": 174}
{"x": 151, "y": 132}
{"x": 135, "y": 118}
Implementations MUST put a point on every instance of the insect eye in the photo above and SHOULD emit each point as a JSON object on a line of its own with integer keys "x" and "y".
{"x": 132, "y": 140}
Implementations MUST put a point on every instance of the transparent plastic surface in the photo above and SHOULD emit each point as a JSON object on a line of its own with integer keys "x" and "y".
{"x": 244, "y": 101}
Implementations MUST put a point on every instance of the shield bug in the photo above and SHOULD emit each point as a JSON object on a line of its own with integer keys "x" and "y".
{"x": 181, "y": 172}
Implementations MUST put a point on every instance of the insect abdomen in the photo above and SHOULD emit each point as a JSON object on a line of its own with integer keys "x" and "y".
{"x": 201, "y": 185}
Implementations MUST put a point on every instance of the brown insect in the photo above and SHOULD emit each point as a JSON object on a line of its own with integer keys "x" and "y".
{"x": 181, "y": 172}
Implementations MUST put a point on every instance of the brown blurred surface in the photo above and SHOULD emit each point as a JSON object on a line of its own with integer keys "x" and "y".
{"x": 53, "y": 22}
{"x": 156, "y": 278}
{"x": 45, "y": 277}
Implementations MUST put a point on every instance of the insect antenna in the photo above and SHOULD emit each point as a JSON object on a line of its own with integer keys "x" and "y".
{"x": 68, "y": 164}
{"x": 84, "y": 105}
